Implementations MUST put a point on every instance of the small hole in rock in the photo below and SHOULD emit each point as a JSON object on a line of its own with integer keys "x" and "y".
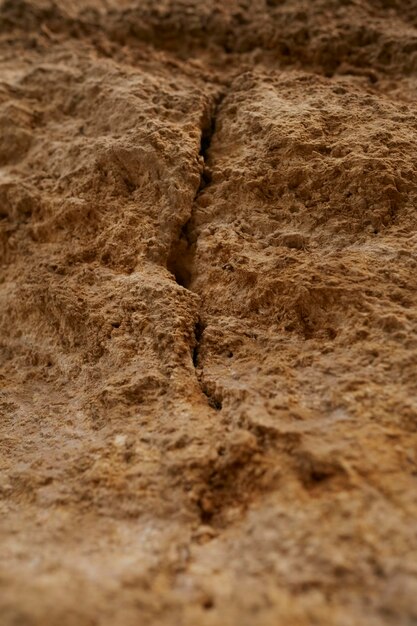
{"x": 208, "y": 604}
{"x": 215, "y": 404}
{"x": 318, "y": 476}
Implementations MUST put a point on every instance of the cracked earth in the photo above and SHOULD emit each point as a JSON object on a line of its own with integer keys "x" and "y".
{"x": 208, "y": 313}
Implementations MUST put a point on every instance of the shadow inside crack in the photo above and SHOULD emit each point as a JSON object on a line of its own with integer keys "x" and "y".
{"x": 180, "y": 259}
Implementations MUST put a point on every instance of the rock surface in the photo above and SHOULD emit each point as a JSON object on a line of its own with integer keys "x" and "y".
{"x": 208, "y": 297}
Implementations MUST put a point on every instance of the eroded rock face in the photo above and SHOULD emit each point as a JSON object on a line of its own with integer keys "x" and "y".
{"x": 208, "y": 323}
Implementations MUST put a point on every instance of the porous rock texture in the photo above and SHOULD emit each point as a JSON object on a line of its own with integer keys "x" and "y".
{"x": 208, "y": 312}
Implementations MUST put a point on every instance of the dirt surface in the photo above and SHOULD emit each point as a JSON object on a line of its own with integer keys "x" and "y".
{"x": 208, "y": 313}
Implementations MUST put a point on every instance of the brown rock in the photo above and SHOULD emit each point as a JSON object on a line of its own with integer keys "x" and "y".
{"x": 208, "y": 312}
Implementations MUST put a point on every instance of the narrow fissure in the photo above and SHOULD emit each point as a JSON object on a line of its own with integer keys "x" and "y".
{"x": 198, "y": 333}
{"x": 181, "y": 258}
{"x": 212, "y": 399}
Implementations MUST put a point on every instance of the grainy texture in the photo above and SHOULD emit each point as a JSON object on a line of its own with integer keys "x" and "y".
{"x": 208, "y": 313}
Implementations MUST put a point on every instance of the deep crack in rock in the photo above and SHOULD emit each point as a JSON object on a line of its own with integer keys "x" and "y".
{"x": 290, "y": 217}
{"x": 181, "y": 258}
{"x": 198, "y": 333}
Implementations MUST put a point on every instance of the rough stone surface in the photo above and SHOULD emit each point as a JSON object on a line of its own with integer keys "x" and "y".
{"x": 208, "y": 313}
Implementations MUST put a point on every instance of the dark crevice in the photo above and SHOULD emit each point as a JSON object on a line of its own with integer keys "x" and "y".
{"x": 181, "y": 257}
{"x": 209, "y": 128}
{"x": 198, "y": 333}
{"x": 212, "y": 399}
{"x": 182, "y": 254}
{"x": 214, "y": 402}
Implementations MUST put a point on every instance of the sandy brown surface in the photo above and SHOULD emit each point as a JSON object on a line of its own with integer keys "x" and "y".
{"x": 208, "y": 313}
